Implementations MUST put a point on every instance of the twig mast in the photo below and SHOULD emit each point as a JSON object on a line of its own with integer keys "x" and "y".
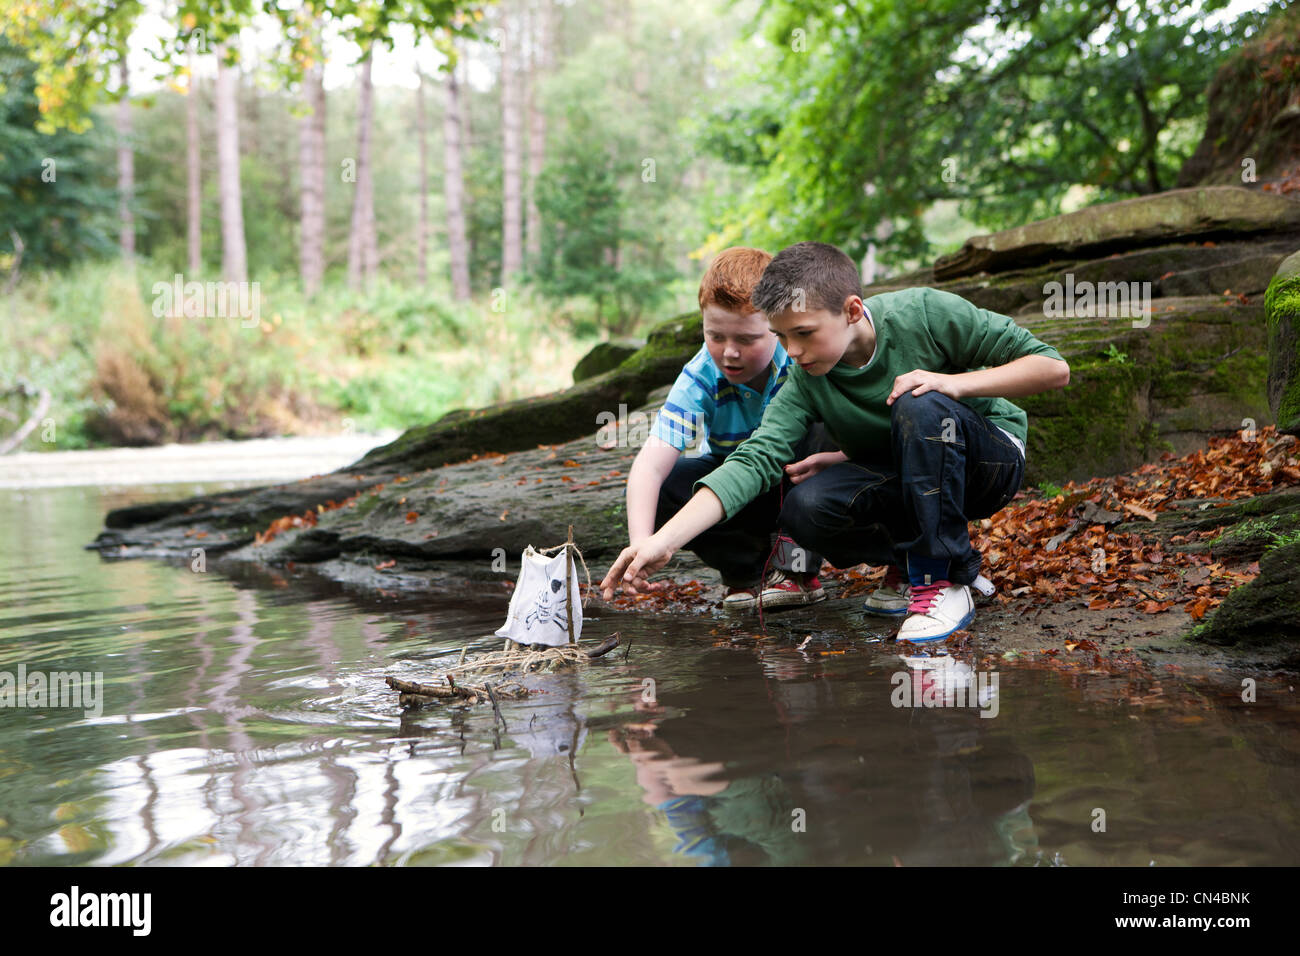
{"x": 568, "y": 583}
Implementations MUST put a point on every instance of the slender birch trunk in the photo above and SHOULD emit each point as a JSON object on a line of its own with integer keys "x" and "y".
{"x": 538, "y": 64}
{"x": 454, "y": 190}
{"x": 234, "y": 255}
{"x": 193, "y": 184}
{"x": 125, "y": 166}
{"x": 512, "y": 251}
{"x": 362, "y": 253}
{"x": 311, "y": 147}
{"x": 422, "y": 132}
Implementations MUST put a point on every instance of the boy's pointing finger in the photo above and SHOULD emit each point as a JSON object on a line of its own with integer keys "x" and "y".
{"x": 625, "y": 571}
{"x": 615, "y": 575}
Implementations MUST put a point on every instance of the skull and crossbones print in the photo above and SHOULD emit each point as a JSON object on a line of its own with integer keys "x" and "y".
{"x": 547, "y": 607}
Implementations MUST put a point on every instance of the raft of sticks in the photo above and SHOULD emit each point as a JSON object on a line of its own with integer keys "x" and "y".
{"x": 469, "y": 681}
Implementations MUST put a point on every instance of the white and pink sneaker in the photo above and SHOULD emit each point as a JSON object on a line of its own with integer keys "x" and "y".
{"x": 936, "y": 611}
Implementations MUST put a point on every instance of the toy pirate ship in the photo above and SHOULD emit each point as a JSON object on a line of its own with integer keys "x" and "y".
{"x": 541, "y": 634}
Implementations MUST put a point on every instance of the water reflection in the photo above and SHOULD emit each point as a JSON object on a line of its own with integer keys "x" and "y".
{"x": 246, "y": 723}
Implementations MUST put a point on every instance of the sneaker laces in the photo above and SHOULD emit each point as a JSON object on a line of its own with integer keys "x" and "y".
{"x": 774, "y": 577}
{"x": 925, "y": 596}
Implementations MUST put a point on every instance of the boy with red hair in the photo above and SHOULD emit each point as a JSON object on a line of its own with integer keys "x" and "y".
{"x": 720, "y": 397}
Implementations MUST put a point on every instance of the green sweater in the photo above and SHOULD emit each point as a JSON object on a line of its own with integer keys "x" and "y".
{"x": 915, "y": 329}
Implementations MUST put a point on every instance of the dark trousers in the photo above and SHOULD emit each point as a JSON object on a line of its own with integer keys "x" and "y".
{"x": 950, "y": 465}
{"x": 739, "y": 547}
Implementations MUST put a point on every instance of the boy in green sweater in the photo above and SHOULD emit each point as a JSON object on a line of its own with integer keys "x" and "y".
{"x": 913, "y": 387}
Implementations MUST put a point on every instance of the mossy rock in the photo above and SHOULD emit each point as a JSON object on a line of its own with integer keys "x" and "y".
{"x": 545, "y": 419}
{"x": 1282, "y": 315}
{"x": 1245, "y": 528}
{"x": 1264, "y": 613}
{"x": 1201, "y": 213}
{"x": 605, "y": 357}
{"x": 1134, "y": 393}
{"x": 1255, "y": 536}
{"x": 1093, "y": 426}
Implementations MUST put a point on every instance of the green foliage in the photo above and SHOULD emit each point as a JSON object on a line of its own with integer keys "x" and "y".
{"x": 1114, "y": 354}
{"x": 1050, "y": 490}
{"x": 77, "y": 46}
{"x": 51, "y": 190}
{"x": 624, "y": 197}
{"x": 390, "y": 357}
{"x": 859, "y": 116}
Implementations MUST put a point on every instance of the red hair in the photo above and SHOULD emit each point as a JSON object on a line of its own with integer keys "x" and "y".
{"x": 731, "y": 277}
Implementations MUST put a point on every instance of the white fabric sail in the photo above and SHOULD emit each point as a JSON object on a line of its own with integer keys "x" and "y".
{"x": 539, "y": 606}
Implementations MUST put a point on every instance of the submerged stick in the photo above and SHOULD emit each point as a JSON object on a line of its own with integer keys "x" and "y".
{"x": 496, "y": 709}
{"x": 431, "y": 690}
{"x": 603, "y": 648}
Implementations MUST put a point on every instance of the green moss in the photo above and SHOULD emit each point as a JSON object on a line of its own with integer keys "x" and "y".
{"x": 1284, "y": 539}
{"x": 1282, "y": 309}
{"x": 367, "y": 504}
{"x": 666, "y": 340}
{"x": 1249, "y": 529}
{"x": 1097, "y": 411}
{"x": 1263, "y": 613}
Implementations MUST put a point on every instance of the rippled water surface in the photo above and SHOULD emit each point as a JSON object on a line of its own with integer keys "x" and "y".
{"x": 246, "y": 721}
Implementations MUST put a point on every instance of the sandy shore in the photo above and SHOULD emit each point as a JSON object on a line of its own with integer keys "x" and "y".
{"x": 263, "y": 459}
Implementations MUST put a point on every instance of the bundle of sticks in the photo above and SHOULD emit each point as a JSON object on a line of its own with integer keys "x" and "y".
{"x": 517, "y": 660}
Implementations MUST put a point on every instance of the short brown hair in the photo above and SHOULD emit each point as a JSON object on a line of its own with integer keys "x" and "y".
{"x": 824, "y": 275}
{"x": 731, "y": 277}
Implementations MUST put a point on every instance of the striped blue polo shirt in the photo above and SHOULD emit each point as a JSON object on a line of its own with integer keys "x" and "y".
{"x": 702, "y": 398}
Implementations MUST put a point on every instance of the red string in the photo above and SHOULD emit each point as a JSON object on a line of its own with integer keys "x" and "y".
{"x": 780, "y": 503}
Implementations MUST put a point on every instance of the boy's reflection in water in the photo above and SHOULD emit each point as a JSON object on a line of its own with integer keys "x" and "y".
{"x": 854, "y": 780}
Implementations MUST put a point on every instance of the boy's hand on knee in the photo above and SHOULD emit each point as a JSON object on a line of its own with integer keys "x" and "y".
{"x": 803, "y": 470}
{"x": 919, "y": 381}
{"x": 634, "y": 565}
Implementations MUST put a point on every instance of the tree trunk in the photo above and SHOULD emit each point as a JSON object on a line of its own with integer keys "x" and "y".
{"x": 125, "y": 166}
{"x": 454, "y": 190}
{"x": 422, "y": 242}
{"x": 311, "y": 143}
{"x": 512, "y": 252}
{"x": 194, "y": 195}
{"x": 362, "y": 252}
{"x": 541, "y": 26}
{"x": 234, "y": 256}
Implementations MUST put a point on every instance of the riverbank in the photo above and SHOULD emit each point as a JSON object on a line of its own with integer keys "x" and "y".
{"x": 1129, "y": 565}
{"x": 264, "y": 459}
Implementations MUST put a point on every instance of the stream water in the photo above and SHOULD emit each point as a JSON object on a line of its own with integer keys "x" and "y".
{"x": 245, "y": 721}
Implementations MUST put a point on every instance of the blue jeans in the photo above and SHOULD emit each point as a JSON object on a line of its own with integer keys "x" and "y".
{"x": 949, "y": 465}
{"x": 738, "y": 547}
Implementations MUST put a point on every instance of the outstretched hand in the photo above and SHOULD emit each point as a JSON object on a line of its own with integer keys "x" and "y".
{"x": 805, "y": 469}
{"x": 634, "y": 565}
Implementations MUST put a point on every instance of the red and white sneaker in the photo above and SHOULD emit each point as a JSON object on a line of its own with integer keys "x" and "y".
{"x": 791, "y": 589}
{"x": 937, "y": 610}
{"x": 892, "y": 597}
{"x": 740, "y": 599}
